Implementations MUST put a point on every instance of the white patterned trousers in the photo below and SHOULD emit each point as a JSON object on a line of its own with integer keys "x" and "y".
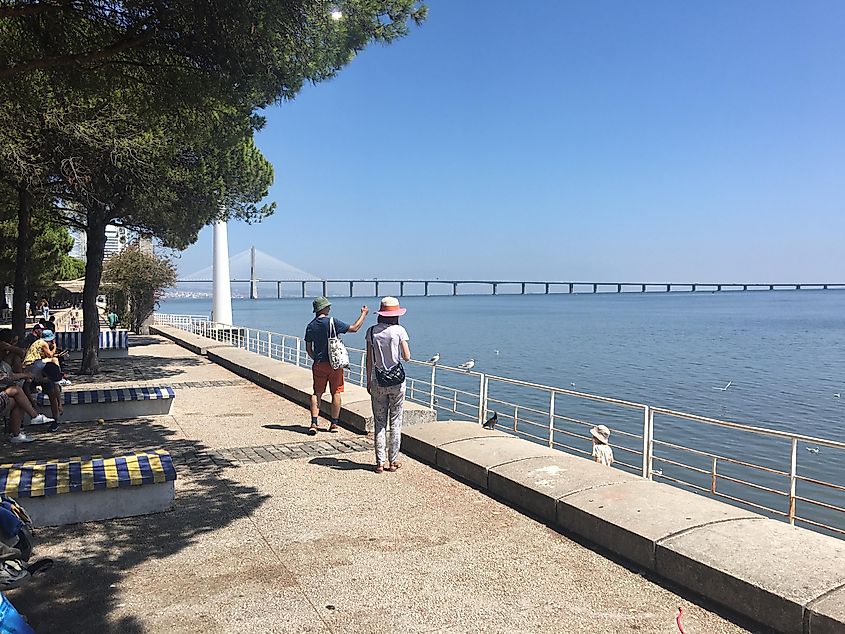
{"x": 388, "y": 403}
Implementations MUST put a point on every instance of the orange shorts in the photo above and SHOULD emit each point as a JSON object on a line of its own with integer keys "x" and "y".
{"x": 323, "y": 373}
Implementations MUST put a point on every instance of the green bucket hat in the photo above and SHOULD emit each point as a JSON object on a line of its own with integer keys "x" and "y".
{"x": 320, "y": 303}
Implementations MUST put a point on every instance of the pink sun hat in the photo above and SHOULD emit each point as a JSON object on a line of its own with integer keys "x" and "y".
{"x": 390, "y": 307}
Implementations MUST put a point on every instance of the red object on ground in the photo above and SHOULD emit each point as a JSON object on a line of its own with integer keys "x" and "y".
{"x": 678, "y": 620}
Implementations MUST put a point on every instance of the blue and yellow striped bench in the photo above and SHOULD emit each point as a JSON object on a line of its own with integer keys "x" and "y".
{"x": 112, "y": 344}
{"x": 98, "y": 488}
{"x": 114, "y": 403}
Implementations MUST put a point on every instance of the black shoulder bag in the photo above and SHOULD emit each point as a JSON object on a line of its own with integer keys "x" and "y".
{"x": 386, "y": 378}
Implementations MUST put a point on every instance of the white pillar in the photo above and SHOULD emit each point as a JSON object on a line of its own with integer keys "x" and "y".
{"x": 221, "y": 306}
{"x": 253, "y": 280}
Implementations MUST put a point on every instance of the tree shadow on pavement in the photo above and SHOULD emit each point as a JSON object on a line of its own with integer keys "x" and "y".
{"x": 342, "y": 464}
{"x": 82, "y": 592}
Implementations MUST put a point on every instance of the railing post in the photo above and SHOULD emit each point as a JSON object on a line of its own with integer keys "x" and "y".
{"x": 646, "y": 441}
{"x": 713, "y": 475}
{"x": 431, "y": 396}
{"x": 515, "y": 416}
{"x": 481, "y": 400}
{"x": 364, "y": 367}
{"x": 270, "y": 344}
{"x": 793, "y": 473}
{"x": 246, "y": 340}
{"x": 298, "y": 351}
{"x": 552, "y": 419}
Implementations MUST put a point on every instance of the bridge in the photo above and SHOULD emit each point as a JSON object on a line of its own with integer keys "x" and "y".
{"x": 424, "y": 286}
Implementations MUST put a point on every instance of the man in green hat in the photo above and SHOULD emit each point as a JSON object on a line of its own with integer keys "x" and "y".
{"x": 317, "y": 347}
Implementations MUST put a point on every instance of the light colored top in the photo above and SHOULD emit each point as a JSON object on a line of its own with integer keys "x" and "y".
{"x": 38, "y": 350}
{"x": 603, "y": 454}
{"x": 388, "y": 338}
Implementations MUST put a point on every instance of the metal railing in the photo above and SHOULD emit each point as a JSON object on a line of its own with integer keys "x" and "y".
{"x": 754, "y": 467}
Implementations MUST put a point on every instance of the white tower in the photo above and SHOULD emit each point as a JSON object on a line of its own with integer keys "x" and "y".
{"x": 221, "y": 304}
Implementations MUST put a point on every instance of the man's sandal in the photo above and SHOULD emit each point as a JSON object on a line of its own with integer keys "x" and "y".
{"x": 393, "y": 466}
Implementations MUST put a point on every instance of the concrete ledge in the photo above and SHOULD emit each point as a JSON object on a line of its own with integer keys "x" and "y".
{"x": 194, "y": 343}
{"x": 631, "y": 517}
{"x": 789, "y": 579}
{"x": 827, "y": 614}
{"x": 102, "y": 504}
{"x": 765, "y": 569}
{"x": 536, "y": 484}
{"x": 422, "y": 442}
{"x": 473, "y": 458}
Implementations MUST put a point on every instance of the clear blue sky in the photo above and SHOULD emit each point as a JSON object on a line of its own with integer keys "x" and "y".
{"x": 656, "y": 140}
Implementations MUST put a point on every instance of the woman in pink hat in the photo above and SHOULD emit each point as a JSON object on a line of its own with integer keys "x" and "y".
{"x": 387, "y": 345}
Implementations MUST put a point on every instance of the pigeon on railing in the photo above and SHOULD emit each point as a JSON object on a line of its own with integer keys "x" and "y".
{"x": 491, "y": 422}
{"x": 467, "y": 365}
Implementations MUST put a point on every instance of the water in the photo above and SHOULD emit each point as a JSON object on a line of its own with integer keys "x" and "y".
{"x": 783, "y": 351}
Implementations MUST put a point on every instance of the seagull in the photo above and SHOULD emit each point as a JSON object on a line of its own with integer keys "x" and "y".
{"x": 658, "y": 472}
{"x": 467, "y": 365}
{"x": 496, "y": 351}
{"x": 813, "y": 449}
{"x": 837, "y": 395}
{"x": 491, "y": 422}
{"x": 572, "y": 384}
{"x": 723, "y": 389}
{"x": 434, "y": 359}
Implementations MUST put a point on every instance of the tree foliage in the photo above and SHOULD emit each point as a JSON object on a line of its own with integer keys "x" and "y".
{"x": 48, "y": 259}
{"x": 142, "y": 113}
{"x": 140, "y": 279}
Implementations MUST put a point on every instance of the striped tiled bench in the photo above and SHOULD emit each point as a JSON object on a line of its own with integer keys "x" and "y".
{"x": 114, "y": 403}
{"x": 113, "y": 344}
{"x": 71, "y": 490}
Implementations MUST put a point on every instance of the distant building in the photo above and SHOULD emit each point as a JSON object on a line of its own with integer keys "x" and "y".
{"x": 116, "y": 240}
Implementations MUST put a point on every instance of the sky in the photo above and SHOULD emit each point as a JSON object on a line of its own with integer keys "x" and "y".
{"x": 644, "y": 141}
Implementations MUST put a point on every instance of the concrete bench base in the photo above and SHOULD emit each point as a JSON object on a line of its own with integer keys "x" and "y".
{"x": 104, "y": 504}
{"x": 115, "y": 411}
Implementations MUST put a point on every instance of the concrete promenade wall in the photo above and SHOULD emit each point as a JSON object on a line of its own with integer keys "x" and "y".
{"x": 789, "y": 579}
{"x": 288, "y": 380}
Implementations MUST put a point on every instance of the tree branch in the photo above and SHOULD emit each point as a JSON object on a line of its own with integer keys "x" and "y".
{"x": 78, "y": 59}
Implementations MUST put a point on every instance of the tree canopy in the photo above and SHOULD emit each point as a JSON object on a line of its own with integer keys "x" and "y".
{"x": 142, "y": 113}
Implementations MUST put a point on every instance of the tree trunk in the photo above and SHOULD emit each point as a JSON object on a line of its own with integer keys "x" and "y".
{"x": 94, "y": 252}
{"x": 23, "y": 246}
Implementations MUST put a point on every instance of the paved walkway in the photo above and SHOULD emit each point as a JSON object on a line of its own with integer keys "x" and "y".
{"x": 276, "y": 531}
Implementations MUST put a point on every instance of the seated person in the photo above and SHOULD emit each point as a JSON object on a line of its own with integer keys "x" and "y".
{"x": 44, "y": 368}
{"x": 32, "y": 337}
{"x": 9, "y": 350}
{"x": 14, "y": 403}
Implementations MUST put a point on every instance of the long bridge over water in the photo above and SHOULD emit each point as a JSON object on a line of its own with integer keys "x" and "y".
{"x": 423, "y": 286}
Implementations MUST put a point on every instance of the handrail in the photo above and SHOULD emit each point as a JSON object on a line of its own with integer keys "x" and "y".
{"x": 449, "y": 390}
